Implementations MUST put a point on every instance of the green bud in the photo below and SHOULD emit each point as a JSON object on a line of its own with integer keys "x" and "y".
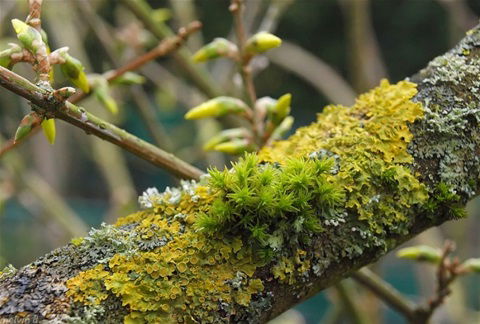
{"x": 283, "y": 128}
{"x": 235, "y": 147}
{"x": 217, "y": 48}
{"x": 129, "y": 78}
{"x": 217, "y": 107}
{"x": 49, "y": 130}
{"x": 30, "y": 38}
{"x": 6, "y": 58}
{"x": 73, "y": 70}
{"x": 262, "y": 42}
{"x": 471, "y": 265}
{"x": 101, "y": 90}
{"x": 421, "y": 253}
{"x": 280, "y": 110}
{"x": 226, "y": 135}
{"x": 28, "y": 123}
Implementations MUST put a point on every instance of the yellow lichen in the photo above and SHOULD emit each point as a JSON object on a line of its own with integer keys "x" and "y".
{"x": 181, "y": 274}
{"x": 370, "y": 138}
{"x": 188, "y": 277}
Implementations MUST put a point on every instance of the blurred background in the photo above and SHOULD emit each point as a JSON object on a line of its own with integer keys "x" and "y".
{"x": 332, "y": 50}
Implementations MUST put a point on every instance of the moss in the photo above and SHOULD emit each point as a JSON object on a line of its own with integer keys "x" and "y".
{"x": 188, "y": 276}
{"x": 370, "y": 140}
{"x": 333, "y": 190}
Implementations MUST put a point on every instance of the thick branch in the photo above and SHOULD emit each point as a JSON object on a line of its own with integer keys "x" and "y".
{"x": 403, "y": 159}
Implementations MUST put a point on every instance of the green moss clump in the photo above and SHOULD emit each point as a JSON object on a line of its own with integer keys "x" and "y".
{"x": 370, "y": 139}
{"x": 266, "y": 204}
{"x": 335, "y": 189}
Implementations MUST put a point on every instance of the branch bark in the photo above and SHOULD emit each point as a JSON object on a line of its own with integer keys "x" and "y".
{"x": 155, "y": 266}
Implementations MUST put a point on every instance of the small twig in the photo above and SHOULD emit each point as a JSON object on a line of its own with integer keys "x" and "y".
{"x": 165, "y": 47}
{"x": 236, "y": 8}
{"x": 42, "y": 64}
{"x": 385, "y": 292}
{"x": 183, "y": 57}
{"x": 43, "y": 101}
{"x": 448, "y": 270}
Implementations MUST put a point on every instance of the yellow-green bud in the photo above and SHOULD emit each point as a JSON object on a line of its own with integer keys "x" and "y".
{"x": 226, "y": 135}
{"x": 420, "y": 253}
{"x": 102, "y": 92}
{"x": 283, "y": 128}
{"x": 30, "y": 38}
{"x": 280, "y": 110}
{"x": 262, "y": 42}
{"x": 129, "y": 78}
{"x": 74, "y": 71}
{"x": 471, "y": 265}
{"x": 28, "y": 122}
{"x": 49, "y": 130}
{"x": 217, "y": 107}
{"x": 234, "y": 147}
{"x": 217, "y": 48}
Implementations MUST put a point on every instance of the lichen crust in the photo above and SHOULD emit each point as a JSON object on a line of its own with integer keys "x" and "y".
{"x": 206, "y": 252}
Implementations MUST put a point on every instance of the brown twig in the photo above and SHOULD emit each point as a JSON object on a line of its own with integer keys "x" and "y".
{"x": 43, "y": 101}
{"x": 236, "y": 8}
{"x": 42, "y": 64}
{"x": 165, "y": 47}
{"x": 448, "y": 270}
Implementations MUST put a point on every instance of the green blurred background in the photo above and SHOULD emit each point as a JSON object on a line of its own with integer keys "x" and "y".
{"x": 332, "y": 50}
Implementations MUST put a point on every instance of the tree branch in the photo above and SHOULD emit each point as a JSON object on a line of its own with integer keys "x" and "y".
{"x": 44, "y": 101}
{"x": 403, "y": 159}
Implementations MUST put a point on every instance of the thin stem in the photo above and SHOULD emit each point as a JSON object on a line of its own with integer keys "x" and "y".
{"x": 165, "y": 47}
{"x": 183, "y": 57}
{"x": 41, "y": 65}
{"x": 447, "y": 272}
{"x": 44, "y": 102}
{"x": 385, "y": 292}
{"x": 237, "y": 8}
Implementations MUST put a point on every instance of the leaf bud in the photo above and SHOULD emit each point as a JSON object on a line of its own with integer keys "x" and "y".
{"x": 226, "y": 135}
{"x": 217, "y": 48}
{"x": 49, "y": 130}
{"x": 420, "y": 253}
{"x": 262, "y": 42}
{"x": 29, "y": 122}
{"x": 217, "y": 107}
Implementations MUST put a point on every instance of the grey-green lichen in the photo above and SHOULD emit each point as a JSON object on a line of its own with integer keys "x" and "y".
{"x": 446, "y": 140}
{"x": 208, "y": 252}
{"x": 341, "y": 189}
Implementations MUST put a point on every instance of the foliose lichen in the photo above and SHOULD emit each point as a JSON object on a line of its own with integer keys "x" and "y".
{"x": 335, "y": 189}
